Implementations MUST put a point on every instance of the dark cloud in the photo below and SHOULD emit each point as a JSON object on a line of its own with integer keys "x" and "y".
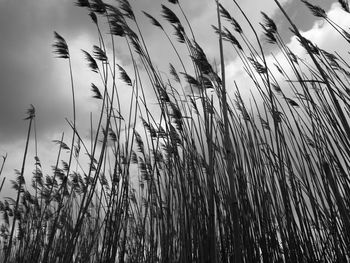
{"x": 27, "y": 61}
{"x": 28, "y": 72}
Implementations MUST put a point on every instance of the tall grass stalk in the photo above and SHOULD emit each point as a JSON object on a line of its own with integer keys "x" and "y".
{"x": 19, "y": 183}
{"x": 1, "y": 169}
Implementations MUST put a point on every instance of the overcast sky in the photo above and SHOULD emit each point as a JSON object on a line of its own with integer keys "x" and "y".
{"x": 30, "y": 74}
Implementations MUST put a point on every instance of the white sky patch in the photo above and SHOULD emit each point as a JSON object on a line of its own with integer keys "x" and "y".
{"x": 322, "y": 34}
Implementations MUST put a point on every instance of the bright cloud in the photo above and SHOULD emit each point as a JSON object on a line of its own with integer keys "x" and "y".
{"x": 322, "y": 34}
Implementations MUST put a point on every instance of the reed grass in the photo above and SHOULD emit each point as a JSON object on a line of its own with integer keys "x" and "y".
{"x": 200, "y": 176}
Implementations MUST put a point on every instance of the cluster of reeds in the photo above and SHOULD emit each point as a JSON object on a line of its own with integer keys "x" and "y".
{"x": 204, "y": 178}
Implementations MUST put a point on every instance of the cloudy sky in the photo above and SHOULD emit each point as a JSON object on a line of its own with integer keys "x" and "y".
{"x": 30, "y": 74}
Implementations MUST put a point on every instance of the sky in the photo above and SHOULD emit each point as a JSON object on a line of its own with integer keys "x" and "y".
{"x": 30, "y": 73}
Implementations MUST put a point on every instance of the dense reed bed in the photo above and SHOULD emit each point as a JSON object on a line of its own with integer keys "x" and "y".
{"x": 202, "y": 176}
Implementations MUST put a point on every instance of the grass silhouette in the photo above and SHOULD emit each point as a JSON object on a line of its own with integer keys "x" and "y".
{"x": 206, "y": 178}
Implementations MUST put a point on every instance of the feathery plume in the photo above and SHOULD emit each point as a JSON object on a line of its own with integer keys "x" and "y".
{"x": 60, "y": 46}
{"x": 126, "y": 7}
{"x": 125, "y": 77}
{"x": 170, "y": 15}
{"x": 30, "y": 112}
{"x": 316, "y": 10}
{"x": 179, "y": 33}
{"x": 345, "y": 5}
{"x": 98, "y": 6}
{"x": 96, "y": 91}
{"x": 91, "y": 61}
{"x": 269, "y": 23}
{"x": 82, "y": 3}
{"x": 93, "y": 17}
{"x": 99, "y": 53}
{"x": 225, "y": 14}
{"x": 153, "y": 20}
{"x": 174, "y": 73}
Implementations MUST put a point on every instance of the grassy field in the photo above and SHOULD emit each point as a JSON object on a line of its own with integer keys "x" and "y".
{"x": 202, "y": 176}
